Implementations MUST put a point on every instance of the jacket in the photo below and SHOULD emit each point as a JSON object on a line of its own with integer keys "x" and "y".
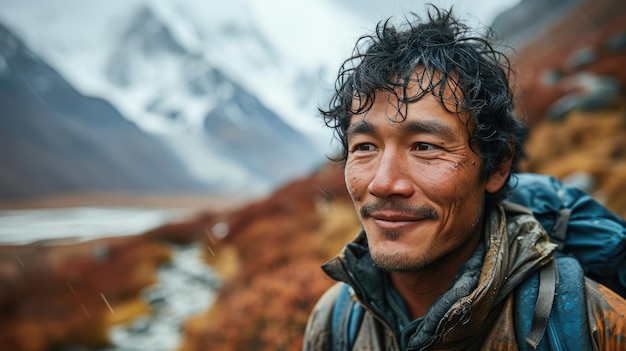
{"x": 478, "y": 312}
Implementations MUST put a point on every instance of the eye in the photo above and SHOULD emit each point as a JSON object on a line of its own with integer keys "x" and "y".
{"x": 364, "y": 147}
{"x": 424, "y": 147}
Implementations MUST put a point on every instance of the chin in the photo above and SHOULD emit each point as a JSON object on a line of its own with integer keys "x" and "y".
{"x": 395, "y": 262}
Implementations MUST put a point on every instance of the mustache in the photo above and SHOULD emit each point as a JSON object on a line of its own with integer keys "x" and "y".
{"x": 424, "y": 212}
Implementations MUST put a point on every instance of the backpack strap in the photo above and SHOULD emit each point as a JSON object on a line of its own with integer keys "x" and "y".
{"x": 548, "y": 281}
{"x": 566, "y": 325}
{"x": 346, "y": 319}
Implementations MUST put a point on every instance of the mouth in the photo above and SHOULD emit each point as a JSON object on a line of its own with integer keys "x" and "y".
{"x": 394, "y": 220}
{"x": 395, "y": 216}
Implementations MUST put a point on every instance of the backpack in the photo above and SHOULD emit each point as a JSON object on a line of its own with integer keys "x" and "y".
{"x": 591, "y": 242}
{"x": 579, "y": 225}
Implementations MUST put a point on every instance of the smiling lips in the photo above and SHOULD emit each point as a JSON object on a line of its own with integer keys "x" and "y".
{"x": 394, "y": 220}
{"x": 396, "y": 215}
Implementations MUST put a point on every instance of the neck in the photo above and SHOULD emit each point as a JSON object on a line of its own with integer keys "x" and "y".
{"x": 420, "y": 289}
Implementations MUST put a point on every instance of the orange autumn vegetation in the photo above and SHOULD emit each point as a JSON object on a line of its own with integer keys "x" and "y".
{"x": 280, "y": 243}
{"x": 54, "y": 295}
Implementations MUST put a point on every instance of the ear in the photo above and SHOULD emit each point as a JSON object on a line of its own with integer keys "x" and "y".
{"x": 499, "y": 176}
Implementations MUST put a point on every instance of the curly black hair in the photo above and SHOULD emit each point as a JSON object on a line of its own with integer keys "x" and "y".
{"x": 438, "y": 53}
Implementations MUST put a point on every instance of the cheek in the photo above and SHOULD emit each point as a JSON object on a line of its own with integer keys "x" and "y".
{"x": 354, "y": 184}
{"x": 450, "y": 181}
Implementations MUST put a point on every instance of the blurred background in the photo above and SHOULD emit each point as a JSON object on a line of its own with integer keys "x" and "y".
{"x": 164, "y": 181}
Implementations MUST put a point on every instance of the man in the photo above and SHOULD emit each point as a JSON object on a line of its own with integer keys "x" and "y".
{"x": 425, "y": 116}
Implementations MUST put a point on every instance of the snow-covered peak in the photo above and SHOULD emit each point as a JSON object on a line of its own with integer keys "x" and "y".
{"x": 134, "y": 51}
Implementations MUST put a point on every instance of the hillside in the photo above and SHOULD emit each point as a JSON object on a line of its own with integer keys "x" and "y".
{"x": 580, "y": 56}
{"x": 572, "y": 85}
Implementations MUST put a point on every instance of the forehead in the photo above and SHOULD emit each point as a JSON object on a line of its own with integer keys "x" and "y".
{"x": 426, "y": 115}
{"x": 421, "y": 84}
{"x": 426, "y": 104}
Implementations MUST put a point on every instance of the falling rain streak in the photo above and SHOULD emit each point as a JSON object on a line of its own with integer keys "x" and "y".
{"x": 212, "y": 253}
{"x": 70, "y": 286}
{"x": 107, "y": 303}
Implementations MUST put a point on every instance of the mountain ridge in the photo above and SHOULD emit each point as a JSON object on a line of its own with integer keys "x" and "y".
{"x": 187, "y": 98}
{"x": 54, "y": 139}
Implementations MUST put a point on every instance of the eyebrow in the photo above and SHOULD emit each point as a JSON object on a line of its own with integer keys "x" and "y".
{"x": 360, "y": 127}
{"x": 431, "y": 126}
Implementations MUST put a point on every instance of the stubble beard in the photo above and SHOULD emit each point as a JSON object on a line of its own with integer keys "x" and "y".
{"x": 393, "y": 262}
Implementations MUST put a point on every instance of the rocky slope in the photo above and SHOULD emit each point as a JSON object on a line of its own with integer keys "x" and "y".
{"x": 572, "y": 85}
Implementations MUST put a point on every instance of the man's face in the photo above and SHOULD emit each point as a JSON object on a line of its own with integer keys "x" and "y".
{"x": 414, "y": 183}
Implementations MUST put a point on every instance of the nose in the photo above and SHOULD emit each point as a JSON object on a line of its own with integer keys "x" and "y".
{"x": 391, "y": 177}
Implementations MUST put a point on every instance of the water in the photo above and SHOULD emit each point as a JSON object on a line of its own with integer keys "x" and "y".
{"x": 83, "y": 223}
{"x": 187, "y": 287}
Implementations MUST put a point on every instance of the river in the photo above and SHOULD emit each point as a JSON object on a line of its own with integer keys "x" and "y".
{"x": 186, "y": 284}
{"x": 82, "y": 223}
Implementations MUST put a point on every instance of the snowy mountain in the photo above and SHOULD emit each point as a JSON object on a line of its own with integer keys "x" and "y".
{"x": 191, "y": 103}
{"x": 223, "y": 134}
{"x": 53, "y": 139}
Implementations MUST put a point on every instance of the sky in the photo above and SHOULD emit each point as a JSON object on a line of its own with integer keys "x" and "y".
{"x": 320, "y": 22}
